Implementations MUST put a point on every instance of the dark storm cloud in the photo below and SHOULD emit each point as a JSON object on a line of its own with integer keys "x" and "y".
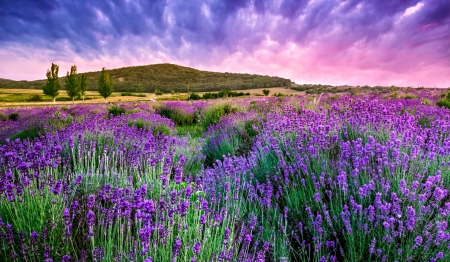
{"x": 196, "y": 29}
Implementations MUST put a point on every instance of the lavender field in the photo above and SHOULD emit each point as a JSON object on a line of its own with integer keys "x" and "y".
{"x": 304, "y": 178}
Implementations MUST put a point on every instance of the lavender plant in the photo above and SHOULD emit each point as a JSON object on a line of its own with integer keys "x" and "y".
{"x": 330, "y": 179}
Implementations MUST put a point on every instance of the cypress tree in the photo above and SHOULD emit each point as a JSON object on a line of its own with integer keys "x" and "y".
{"x": 52, "y": 86}
{"x": 83, "y": 85}
{"x": 72, "y": 83}
{"x": 105, "y": 87}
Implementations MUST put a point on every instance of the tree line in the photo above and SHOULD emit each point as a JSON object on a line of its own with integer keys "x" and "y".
{"x": 76, "y": 85}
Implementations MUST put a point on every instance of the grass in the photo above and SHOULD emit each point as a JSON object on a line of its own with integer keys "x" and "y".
{"x": 193, "y": 131}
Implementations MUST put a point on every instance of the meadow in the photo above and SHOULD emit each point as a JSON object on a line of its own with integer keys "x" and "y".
{"x": 362, "y": 177}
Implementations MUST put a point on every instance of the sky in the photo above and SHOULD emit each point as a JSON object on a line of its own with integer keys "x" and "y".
{"x": 353, "y": 42}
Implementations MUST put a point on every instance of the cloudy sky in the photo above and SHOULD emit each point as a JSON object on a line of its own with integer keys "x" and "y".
{"x": 374, "y": 42}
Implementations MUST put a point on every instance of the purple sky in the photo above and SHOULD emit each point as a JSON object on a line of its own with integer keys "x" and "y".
{"x": 374, "y": 42}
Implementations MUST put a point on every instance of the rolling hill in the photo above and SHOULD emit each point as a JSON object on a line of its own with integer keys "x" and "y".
{"x": 164, "y": 77}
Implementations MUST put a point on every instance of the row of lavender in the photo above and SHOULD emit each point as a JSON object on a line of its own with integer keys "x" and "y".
{"x": 294, "y": 179}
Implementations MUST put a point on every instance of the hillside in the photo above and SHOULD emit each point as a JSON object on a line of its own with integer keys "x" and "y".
{"x": 164, "y": 77}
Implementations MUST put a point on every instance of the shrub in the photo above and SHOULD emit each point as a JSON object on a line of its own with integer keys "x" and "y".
{"x": 35, "y": 98}
{"x": 424, "y": 122}
{"x": 443, "y": 103}
{"x": 210, "y": 96}
{"x": 63, "y": 99}
{"x": 27, "y": 134}
{"x": 160, "y": 129}
{"x": 195, "y": 96}
{"x": 409, "y": 96}
{"x": 13, "y": 116}
{"x": 158, "y": 93}
{"x": 131, "y": 94}
{"x": 426, "y": 102}
{"x": 116, "y": 110}
{"x": 266, "y": 92}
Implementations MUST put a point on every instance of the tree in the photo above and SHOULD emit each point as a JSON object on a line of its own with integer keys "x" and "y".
{"x": 52, "y": 86}
{"x": 266, "y": 92}
{"x": 83, "y": 85}
{"x": 105, "y": 85}
{"x": 72, "y": 83}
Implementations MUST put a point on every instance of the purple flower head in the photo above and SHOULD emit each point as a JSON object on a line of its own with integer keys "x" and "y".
{"x": 188, "y": 192}
{"x": 148, "y": 206}
{"x": 91, "y": 201}
{"x": 197, "y": 247}
{"x": 90, "y": 218}
{"x": 226, "y": 234}
{"x": 418, "y": 240}
{"x": 266, "y": 246}
{"x": 176, "y": 247}
{"x": 78, "y": 180}
{"x": 74, "y": 206}
{"x": 203, "y": 219}
{"x": 66, "y": 216}
{"x": 178, "y": 175}
{"x": 183, "y": 208}
{"x": 317, "y": 197}
{"x": 247, "y": 239}
{"x": 57, "y": 187}
{"x": 227, "y": 186}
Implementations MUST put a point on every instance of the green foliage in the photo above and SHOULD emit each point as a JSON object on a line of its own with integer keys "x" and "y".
{"x": 409, "y": 96}
{"x": 27, "y": 134}
{"x": 51, "y": 88}
{"x": 160, "y": 129}
{"x": 223, "y": 94}
{"x": 156, "y": 130}
{"x": 132, "y": 94}
{"x": 116, "y": 110}
{"x": 194, "y": 131}
{"x": 426, "y": 102}
{"x": 209, "y": 95}
{"x": 266, "y": 92}
{"x": 195, "y": 96}
{"x": 35, "y": 98}
{"x": 424, "y": 122}
{"x": 179, "y": 117}
{"x": 72, "y": 83}
{"x": 13, "y": 116}
{"x": 63, "y": 99}
{"x": 249, "y": 127}
{"x": 105, "y": 84}
{"x": 213, "y": 114}
{"x": 158, "y": 93}
{"x": 443, "y": 103}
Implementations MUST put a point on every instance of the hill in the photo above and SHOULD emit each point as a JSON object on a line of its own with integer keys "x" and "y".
{"x": 165, "y": 77}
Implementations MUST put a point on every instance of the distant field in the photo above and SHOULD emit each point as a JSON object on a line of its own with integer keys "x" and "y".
{"x": 18, "y": 97}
